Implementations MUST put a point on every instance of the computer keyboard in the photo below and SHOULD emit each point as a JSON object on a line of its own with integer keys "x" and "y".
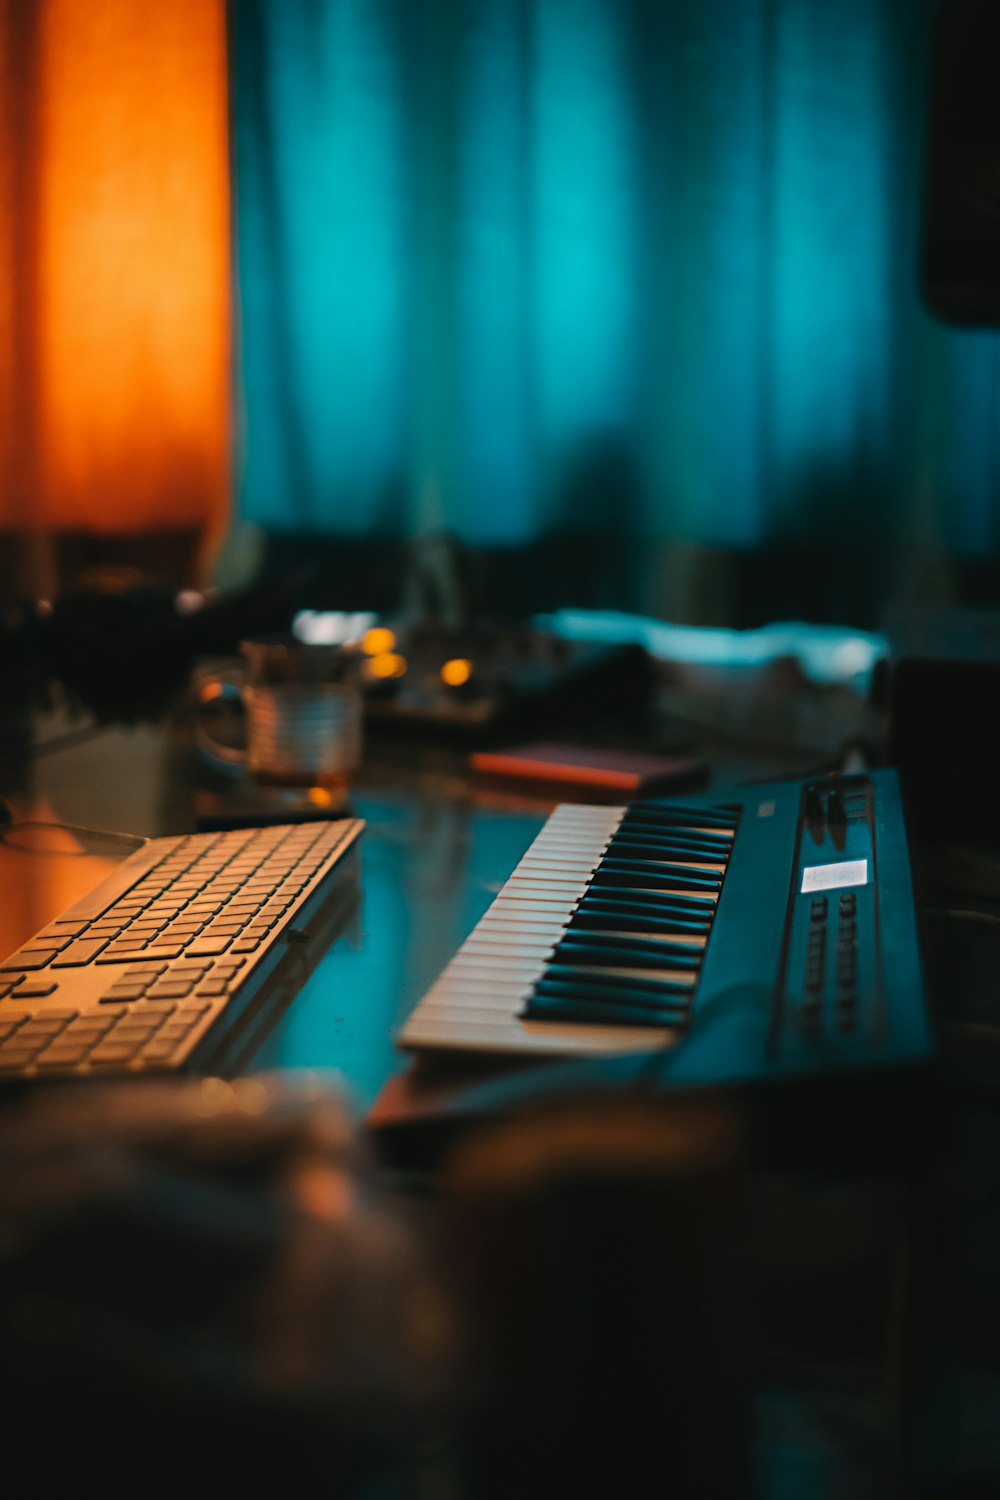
{"x": 182, "y": 957}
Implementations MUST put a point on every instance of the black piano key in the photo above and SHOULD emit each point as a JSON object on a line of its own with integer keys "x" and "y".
{"x": 585, "y": 948}
{"x": 635, "y": 912}
{"x": 636, "y": 847}
{"x": 647, "y": 903}
{"x": 630, "y": 986}
{"x": 678, "y": 1004}
{"x": 589, "y": 920}
{"x": 663, "y": 869}
{"x": 660, "y": 828}
{"x": 685, "y": 848}
{"x": 611, "y": 877}
{"x": 599, "y": 1013}
{"x": 668, "y": 814}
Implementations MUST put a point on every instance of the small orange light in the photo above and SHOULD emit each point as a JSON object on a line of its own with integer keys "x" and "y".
{"x": 377, "y": 640}
{"x": 319, "y": 796}
{"x": 324, "y": 1193}
{"x": 387, "y": 664}
{"x": 456, "y": 673}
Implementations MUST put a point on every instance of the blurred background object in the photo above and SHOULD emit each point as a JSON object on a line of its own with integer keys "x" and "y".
{"x": 594, "y": 1247}
{"x": 208, "y": 1279}
{"x": 622, "y": 296}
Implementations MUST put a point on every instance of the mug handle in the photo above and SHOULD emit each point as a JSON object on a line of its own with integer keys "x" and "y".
{"x": 222, "y": 757}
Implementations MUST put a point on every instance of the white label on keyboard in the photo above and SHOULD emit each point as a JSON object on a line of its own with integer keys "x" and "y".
{"x": 832, "y": 877}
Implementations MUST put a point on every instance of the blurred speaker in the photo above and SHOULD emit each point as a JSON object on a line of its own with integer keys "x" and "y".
{"x": 960, "y": 251}
{"x": 944, "y": 722}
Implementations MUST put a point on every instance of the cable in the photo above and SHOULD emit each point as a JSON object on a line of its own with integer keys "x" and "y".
{"x": 965, "y": 914}
{"x": 9, "y": 826}
{"x": 72, "y": 737}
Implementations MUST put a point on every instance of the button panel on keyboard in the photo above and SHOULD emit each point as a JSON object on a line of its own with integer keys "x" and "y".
{"x": 831, "y": 994}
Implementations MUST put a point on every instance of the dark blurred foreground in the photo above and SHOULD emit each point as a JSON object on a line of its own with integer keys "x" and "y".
{"x": 217, "y": 1285}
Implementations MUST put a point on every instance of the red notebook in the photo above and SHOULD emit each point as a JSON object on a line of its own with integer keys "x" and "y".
{"x": 622, "y": 772}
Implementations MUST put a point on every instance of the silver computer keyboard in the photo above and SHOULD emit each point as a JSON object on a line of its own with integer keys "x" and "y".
{"x": 180, "y": 958}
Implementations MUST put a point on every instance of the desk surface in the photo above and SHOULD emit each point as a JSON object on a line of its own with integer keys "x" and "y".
{"x": 435, "y": 851}
{"x": 434, "y": 855}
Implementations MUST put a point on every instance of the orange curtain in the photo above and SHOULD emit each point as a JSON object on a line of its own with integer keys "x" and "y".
{"x": 114, "y": 266}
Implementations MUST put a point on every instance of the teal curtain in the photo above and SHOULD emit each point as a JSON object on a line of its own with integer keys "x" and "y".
{"x": 642, "y": 269}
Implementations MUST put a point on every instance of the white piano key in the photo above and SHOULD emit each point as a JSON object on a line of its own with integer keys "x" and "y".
{"x": 474, "y": 1004}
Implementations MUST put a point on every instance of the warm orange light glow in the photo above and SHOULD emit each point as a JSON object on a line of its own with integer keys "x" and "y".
{"x": 456, "y": 673}
{"x": 9, "y": 416}
{"x": 324, "y": 1193}
{"x": 387, "y": 664}
{"x": 319, "y": 796}
{"x": 378, "y": 639}
{"x": 127, "y": 279}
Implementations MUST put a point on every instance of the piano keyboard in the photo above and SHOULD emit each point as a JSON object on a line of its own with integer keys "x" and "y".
{"x": 774, "y": 929}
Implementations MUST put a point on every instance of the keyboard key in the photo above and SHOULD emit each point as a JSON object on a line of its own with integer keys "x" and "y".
{"x": 133, "y": 1035}
{"x": 53, "y": 941}
{"x": 12, "y": 1061}
{"x": 112, "y": 1052}
{"x": 84, "y": 1036}
{"x": 208, "y": 947}
{"x": 29, "y": 958}
{"x": 63, "y": 1057}
{"x": 128, "y": 990}
{"x": 35, "y": 1040}
{"x": 20, "y": 1039}
{"x": 596, "y": 1012}
{"x": 175, "y": 1031}
{"x": 159, "y": 1051}
{"x": 632, "y": 954}
{"x": 36, "y": 989}
{"x": 82, "y": 951}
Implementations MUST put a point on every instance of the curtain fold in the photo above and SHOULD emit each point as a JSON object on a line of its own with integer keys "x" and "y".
{"x": 641, "y": 269}
{"x": 638, "y": 271}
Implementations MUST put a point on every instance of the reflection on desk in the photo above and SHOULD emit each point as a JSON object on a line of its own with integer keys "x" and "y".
{"x": 434, "y": 857}
{"x": 429, "y": 871}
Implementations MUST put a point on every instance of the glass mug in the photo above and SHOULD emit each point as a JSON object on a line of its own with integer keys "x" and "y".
{"x": 303, "y": 709}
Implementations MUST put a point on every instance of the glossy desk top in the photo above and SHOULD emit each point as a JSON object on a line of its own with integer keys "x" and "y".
{"x": 434, "y": 853}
